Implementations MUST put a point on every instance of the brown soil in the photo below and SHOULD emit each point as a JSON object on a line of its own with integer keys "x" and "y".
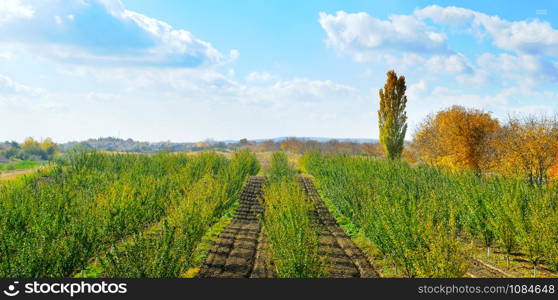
{"x": 480, "y": 269}
{"x": 235, "y": 253}
{"x": 8, "y": 175}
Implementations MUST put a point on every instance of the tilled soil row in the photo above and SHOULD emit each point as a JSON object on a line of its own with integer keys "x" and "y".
{"x": 343, "y": 257}
{"x": 478, "y": 268}
{"x": 240, "y": 250}
{"x": 237, "y": 251}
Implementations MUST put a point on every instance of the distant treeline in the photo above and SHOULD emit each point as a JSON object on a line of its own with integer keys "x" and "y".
{"x": 296, "y": 145}
{"x": 30, "y": 149}
{"x": 47, "y": 149}
{"x": 293, "y": 145}
{"x": 112, "y": 144}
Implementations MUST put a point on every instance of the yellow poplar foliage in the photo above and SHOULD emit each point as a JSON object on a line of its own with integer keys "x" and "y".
{"x": 392, "y": 118}
{"x": 455, "y": 138}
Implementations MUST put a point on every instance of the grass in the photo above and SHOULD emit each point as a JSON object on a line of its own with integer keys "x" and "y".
{"x": 20, "y": 165}
{"x": 293, "y": 237}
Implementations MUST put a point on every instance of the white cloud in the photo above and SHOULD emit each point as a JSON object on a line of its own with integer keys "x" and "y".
{"x": 170, "y": 42}
{"x": 479, "y": 77}
{"x": 415, "y": 43}
{"x": 14, "y": 9}
{"x": 519, "y": 66}
{"x": 211, "y": 85}
{"x": 304, "y": 89}
{"x": 456, "y": 63}
{"x": 448, "y": 97}
{"x": 529, "y": 37}
{"x": 532, "y": 110}
{"x": 452, "y": 15}
{"x": 117, "y": 36}
{"x": 417, "y": 89}
{"x": 259, "y": 77}
{"x": 10, "y": 87}
{"x": 366, "y": 38}
{"x": 102, "y": 97}
{"x": 524, "y": 99}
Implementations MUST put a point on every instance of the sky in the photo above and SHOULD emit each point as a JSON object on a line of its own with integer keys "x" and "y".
{"x": 186, "y": 71}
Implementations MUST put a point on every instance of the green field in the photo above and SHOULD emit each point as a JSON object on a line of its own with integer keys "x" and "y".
{"x": 137, "y": 215}
{"x": 20, "y": 165}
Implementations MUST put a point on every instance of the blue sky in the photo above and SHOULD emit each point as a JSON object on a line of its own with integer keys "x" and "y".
{"x": 191, "y": 70}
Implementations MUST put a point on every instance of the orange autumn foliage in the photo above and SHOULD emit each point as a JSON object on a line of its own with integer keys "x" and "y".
{"x": 456, "y": 138}
{"x": 553, "y": 171}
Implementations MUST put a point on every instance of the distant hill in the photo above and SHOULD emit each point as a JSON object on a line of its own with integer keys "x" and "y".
{"x": 317, "y": 139}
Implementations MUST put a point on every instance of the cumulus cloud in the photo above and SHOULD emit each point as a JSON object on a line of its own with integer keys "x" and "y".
{"x": 417, "y": 89}
{"x": 365, "y": 38}
{"x": 520, "y": 66}
{"x": 456, "y": 63}
{"x": 418, "y": 42}
{"x": 103, "y": 32}
{"x": 403, "y": 41}
{"x": 14, "y": 9}
{"x": 529, "y": 37}
{"x": 259, "y": 77}
{"x": 478, "y": 77}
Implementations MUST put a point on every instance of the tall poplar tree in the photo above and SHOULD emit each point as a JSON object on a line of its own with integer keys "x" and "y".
{"x": 392, "y": 118}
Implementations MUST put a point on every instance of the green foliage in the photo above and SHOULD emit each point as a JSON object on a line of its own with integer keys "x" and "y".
{"x": 419, "y": 216}
{"x": 54, "y": 222}
{"x": 288, "y": 223}
{"x": 280, "y": 168}
{"x": 30, "y": 150}
{"x": 170, "y": 251}
{"x": 293, "y": 237}
{"x": 19, "y": 165}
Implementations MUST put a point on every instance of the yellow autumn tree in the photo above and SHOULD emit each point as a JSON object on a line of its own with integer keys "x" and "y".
{"x": 526, "y": 147}
{"x": 48, "y": 146}
{"x": 457, "y": 138}
{"x": 29, "y": 143}
{"x": 553, "y": 171}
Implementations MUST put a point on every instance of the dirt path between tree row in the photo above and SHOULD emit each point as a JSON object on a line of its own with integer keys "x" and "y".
{"x": 240, "y": 251}
{"x": 478, "y": 268}
{"x": 8, "y": 175}
{"x": 237, "y": 251}
{"x": 344, "y": 259}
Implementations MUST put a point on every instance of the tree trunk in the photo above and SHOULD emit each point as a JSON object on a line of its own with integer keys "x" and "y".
{"x": 534, "y": 271}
